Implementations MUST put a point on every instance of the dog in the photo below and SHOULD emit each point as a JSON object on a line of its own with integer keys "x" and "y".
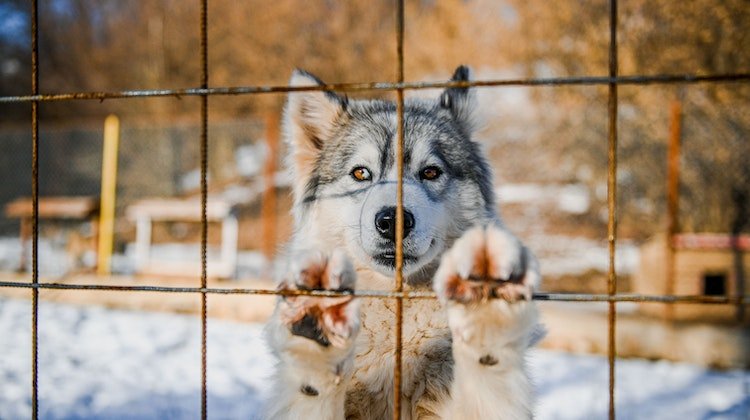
{"x": 463, "y": 354}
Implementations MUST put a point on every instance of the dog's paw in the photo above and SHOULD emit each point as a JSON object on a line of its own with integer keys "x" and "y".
{"x": 486, "y": 263}
{"x": 329, "y": 321}
{"x": 486, "y": 280}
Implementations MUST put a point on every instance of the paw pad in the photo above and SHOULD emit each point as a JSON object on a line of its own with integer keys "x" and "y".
{"x": 486, "y": 263}
{"x": 325, "y": 320}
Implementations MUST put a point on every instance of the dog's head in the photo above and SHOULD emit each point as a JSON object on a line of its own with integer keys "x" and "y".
{"x": 343, "y": 155}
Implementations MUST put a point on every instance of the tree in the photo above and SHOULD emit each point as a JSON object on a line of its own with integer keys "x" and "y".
{"x": 699, "y": 37}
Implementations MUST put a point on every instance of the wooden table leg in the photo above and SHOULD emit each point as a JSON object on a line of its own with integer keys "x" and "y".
{"x": 25, "y": 234}
{"x": 95, "y": 239}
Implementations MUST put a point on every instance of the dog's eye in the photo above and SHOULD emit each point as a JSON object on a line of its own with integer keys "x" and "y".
{"x": 360, "y": 173}
{"x": 430, "y": 173}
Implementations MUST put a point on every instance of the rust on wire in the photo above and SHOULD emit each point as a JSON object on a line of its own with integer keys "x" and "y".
{"x": 35, "y": 210}
{"x": 378, "y": 294}
{"x": 380, "y": 86}
{"x": 612, "y": 203}
{"x": 204, "y": 205}
{"x": 397, "y": 368}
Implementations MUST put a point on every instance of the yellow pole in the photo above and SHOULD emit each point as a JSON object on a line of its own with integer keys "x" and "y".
{"x": 108, "y": 194}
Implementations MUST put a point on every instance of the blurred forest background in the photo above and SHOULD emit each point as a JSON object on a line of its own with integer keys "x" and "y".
{"x": 543, "y": 135}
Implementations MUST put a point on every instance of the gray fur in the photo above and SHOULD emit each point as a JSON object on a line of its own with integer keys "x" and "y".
{"x": 363, "y": 133}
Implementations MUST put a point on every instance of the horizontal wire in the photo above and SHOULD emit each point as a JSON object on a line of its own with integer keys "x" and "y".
{"x": 542, "y": 296}
{"x": 375, "y": 86}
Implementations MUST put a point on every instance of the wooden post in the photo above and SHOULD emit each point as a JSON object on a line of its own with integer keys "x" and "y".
{"x": 229, "y": 234}
{"x": 25, "y": 234}
{"x": 108, "y": 194}
{"x": 268, "y": 211}
{"x": 673, "y": 195}
{"x": 142, "y": 241}
{"x": 93, "y": 243}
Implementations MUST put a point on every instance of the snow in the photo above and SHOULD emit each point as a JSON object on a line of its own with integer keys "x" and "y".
{"x": 568, "y": 198}
{"x": 10, "y": 253}
{"x": 102, "y": 363}
{"x": 576, "y": 387}
{"x": 562, "y": 254}
{"x": 51, "y": 251}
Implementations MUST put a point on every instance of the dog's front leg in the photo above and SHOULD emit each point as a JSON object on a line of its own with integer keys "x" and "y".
{"x": 313, "y": 339}
{"x": 486, "y": 280}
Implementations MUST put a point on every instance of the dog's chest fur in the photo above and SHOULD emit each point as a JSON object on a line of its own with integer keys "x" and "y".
{"x": 426, "y": 359}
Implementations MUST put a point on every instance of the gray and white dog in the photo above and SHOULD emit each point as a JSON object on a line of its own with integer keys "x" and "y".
{"x": 463, "y": 355}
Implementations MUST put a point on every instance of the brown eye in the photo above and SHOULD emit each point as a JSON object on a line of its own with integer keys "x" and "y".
{"x": 430, "y": 173}
{"x": 360, "y": 173}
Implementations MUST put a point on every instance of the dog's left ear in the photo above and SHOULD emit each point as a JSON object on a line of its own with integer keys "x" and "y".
{"x": 313, "y": 112}
{"x": 310, "y": 118}
{"x": 460, "y": 101}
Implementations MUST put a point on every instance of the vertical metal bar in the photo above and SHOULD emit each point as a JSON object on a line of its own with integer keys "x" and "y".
{"x": 204, "y": 204}
{"x": 399, "y": 210}
{"x": 34, "y": 210}
{"x": 612, "y": 200}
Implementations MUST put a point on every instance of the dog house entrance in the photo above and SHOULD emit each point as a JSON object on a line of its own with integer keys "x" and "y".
{"x": 714, "y": 284}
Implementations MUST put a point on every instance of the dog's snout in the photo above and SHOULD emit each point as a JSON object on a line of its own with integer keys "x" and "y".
{"x": 385, "y": 223}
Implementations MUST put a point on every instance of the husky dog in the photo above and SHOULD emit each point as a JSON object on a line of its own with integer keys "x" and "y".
{"x": 463, "y": 354}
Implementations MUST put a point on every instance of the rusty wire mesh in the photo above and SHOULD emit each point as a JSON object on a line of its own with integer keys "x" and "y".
{"x": 612, "y": 81}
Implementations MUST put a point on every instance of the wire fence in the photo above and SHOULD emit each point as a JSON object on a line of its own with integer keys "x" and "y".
{"x": 612, "y": 81}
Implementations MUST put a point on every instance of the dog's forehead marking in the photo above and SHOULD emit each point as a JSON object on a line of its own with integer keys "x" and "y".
{"x": 431, "y": 136}
{"x": 365, "y": 153}
{"x": 421, "y": 133}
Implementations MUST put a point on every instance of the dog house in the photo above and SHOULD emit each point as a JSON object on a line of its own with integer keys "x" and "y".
{"x": 82, "y": 209}
{"x": 146, "y": 212}
{"x": 703, "y": 264}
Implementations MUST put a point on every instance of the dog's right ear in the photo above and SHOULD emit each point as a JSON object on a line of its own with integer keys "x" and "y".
{"x": 309, "y": 120}
{"x": 461, "y": 101}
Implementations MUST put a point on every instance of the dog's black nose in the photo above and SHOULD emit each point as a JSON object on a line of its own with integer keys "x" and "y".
{"x": 385, "y": 223}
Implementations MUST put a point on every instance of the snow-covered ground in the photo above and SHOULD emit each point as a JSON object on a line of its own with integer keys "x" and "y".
{"x": 101, "y": 363}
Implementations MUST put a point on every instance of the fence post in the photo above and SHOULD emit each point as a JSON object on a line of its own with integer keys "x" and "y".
{"x": 108, "y": 194}
{"x": 673, "y": 195}
{"x": 268, "y": 210}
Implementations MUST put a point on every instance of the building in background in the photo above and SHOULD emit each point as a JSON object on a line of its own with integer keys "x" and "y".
{"x": 704, "y": 264}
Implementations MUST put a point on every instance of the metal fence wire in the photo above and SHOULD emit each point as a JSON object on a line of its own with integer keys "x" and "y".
{"x": 204, "y": 90}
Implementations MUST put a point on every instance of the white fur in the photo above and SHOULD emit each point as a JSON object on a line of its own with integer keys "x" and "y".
{"x": 492, "y": 328}
{"x": 460, "y": 360}
{"x": 496, "y": 328}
